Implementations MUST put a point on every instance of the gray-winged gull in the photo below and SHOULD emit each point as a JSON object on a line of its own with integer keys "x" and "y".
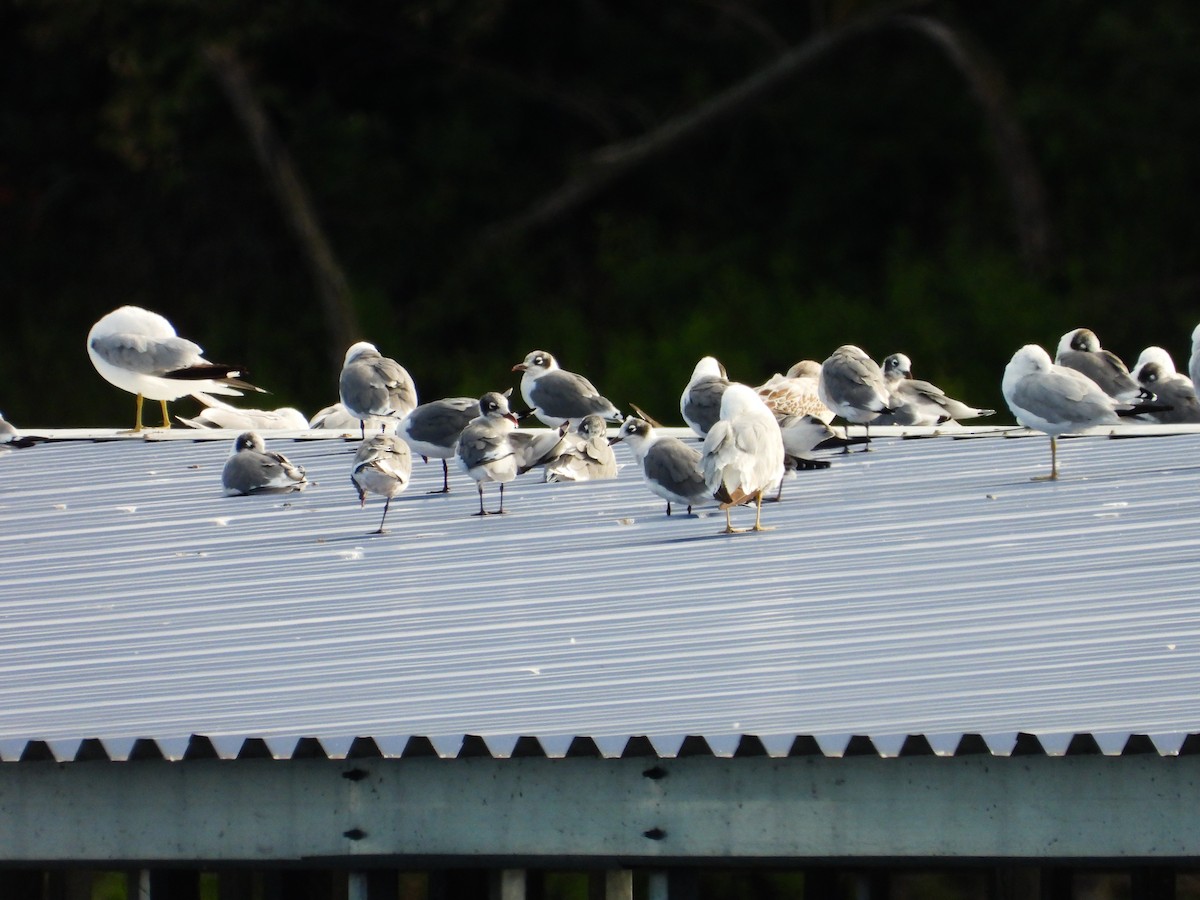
{"x": 1056, "y": 399}
{"x": 252, "y": 469}
{"x": 557, "y": 396}
{"x": 489, "y": 449}
{"x": 382, "y": 465}
{"x": 586, "y": 454}
{"x": 372, "y": 384}
{"x": 1080, "y": 349}
{"x": 1155, "y": 373}
{"x": 670, "y": 468}
{"x": 432, "y": 429}
{"x": 852, "y": 385}
{"x": 700, "y": 402}
{"x": 916, "y": 402}
{"x": 139, "y": 352}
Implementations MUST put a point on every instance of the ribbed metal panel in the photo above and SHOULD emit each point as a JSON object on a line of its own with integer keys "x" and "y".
{"x": 925, "y": 589}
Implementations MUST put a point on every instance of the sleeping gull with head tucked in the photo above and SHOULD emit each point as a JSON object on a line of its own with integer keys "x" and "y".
{"x": 1155, "y": 372}
{"x": 372, "y": 384}
{"x": 1080, "y": 349}
{"x": 1056, "y": 399}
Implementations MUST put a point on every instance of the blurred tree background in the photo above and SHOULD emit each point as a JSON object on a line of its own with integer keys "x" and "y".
{"x": 628, "y": 185}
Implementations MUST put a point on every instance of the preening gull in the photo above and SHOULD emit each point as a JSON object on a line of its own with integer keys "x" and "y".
{"x": 586, "y": 454}
{"x": 670, "y": 467}
{"x": 252, "y": 469}
{"x": 382, "y": 465}
{"x": 372, "y": 384}
{"x": 139, "y": 352}
{"x": 556, "y": 395}
{"x": 743, "y": 453}
{"x": 700, "y": 403}
{"x": 1056, "y": 399}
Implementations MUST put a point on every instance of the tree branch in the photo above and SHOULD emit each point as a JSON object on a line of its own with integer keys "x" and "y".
{"x": 1019, "y": 171}
{"x": 1013, "y": 158}
{"x": 333, "y": 289}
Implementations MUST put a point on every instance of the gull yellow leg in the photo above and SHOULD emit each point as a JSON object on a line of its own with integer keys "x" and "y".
{"x": 166, "y": 418}
{"x": 758, "y": 502}
{"x": 1053, "y": 476}
{"x": 137, "y": 419}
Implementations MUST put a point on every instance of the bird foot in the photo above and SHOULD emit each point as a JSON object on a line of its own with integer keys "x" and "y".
{"x": 731, "y": 530}
{"x": 763, "y": 528}
{"x": 444, "y": 490}
{"x": 379, "y": 531}
{"x": 1053, "y": 476}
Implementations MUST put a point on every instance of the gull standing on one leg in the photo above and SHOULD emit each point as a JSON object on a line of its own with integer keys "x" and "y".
{"x": 1056, "y": 399}
{"x": 382, "y": 465}
{"x": 372, "y": 384}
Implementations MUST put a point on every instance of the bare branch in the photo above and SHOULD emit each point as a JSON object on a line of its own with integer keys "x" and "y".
{"x": 1026, "y": 192}
{"x": 333, "y": 289}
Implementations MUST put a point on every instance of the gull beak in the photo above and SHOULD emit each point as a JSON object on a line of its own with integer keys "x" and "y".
{"x": 513, "y": 418}
{"x": 520, "y": 367}
{"x": 615, "y": 440}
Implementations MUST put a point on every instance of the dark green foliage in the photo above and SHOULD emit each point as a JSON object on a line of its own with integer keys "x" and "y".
{"x": 860, "y": 202}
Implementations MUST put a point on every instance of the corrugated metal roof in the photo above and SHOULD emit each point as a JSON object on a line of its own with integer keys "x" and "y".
{"x": 927, "y": 590}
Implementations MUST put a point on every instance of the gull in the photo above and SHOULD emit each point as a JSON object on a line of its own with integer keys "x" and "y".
{"x": 700, "y": 402}
{"x": 586, "y": 455}
{"x": 432, "y": 430}
{"x": 372, "y": 384}
{"x": 222, "y": 415}
{"x": 11, "y": 439}
{"x": 139, "y": 352}
{"x": 382, "y": 465}
{"x": 797, "y": 392}
{"x": 1155, "y": 372}
{"x": 1056, "y": 399}
{"x": 489, "y": 450}
{"x": 916, "y": 402}
{"x": 252, "y": 469}
{"x": 670, "y": 468}
{"x": 1080, "y": 349}
{"x": 852, "y": 385}
{"x": 336, "y": 418}
{"x": 556, "y": 395}
{"x": 743, "y": 453}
